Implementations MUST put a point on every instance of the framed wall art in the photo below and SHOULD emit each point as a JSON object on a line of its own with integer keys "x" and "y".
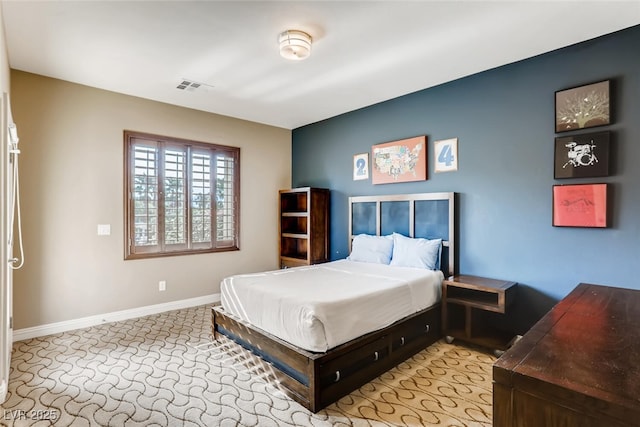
{"x": 582, "y": 156}
{"x": 583, "y": 107}
{"x": 399, "y": 161}
{"x": 361, "y": 166}
{"x": 580, "y": 205}
{"x": 446, "y": 155}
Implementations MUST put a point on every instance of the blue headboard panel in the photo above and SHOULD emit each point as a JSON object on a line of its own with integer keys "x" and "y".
{"x": 425, "y": 215}
{"x": 363, "y": 218}
{"x": 395, "y": 217}
{"x": 432, "y": 219}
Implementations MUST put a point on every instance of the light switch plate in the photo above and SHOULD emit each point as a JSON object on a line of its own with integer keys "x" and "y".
{"x": 104, "y": 229}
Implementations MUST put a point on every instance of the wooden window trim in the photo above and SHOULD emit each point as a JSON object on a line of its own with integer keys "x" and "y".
{"x": 140, "y": 252}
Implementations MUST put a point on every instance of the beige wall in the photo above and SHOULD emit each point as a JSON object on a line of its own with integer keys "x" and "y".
{"x": 72, "y": 180}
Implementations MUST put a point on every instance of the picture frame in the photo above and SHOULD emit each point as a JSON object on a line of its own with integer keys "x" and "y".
{"x": 582, "y": 156}
{"x": 580, "y": 205}
{"x": 583, "y": 107}
{"x": 445, "y": 155}
{"x": 360, "y": 166}
{"x": 404, "y": 160}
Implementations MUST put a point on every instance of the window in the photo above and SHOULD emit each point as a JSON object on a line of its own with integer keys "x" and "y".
{"x": 181, "y": 197}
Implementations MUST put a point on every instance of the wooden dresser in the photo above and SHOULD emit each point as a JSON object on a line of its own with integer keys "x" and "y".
{"x": 578, "y": 366}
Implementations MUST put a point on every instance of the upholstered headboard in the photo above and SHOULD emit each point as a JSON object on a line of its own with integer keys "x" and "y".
{"x": 424, "y": 215}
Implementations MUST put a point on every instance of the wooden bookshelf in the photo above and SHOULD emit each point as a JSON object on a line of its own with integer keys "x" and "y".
{"x": 304, "y": 226}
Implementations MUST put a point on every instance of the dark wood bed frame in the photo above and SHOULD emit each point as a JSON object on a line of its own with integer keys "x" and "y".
{"x": 315, "y": 380}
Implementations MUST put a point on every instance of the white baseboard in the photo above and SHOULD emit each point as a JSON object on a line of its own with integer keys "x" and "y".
{"x": 86, "y": 322}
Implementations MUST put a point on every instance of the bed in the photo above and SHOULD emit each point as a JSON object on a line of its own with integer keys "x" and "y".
{"x": 317, "y": 349}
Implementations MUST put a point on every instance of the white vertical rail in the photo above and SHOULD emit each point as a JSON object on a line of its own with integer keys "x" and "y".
{"x": 6, "y": 276}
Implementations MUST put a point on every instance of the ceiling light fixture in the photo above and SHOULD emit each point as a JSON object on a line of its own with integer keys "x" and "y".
{"x": 294, "y": 44}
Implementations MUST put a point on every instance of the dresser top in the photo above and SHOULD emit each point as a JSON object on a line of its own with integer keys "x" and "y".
{"x": 588, "y": 345}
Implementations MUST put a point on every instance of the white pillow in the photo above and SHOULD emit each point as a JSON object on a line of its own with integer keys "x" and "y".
{"x": 367, "y": 248}
{"x": 418, "y": 253}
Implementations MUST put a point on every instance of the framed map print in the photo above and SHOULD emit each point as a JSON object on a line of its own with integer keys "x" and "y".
{"x": 399, "y": 161}
{"x": 446, "y": 155}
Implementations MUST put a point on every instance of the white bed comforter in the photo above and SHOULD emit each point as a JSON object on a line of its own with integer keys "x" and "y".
{"x": 321, "y": 306}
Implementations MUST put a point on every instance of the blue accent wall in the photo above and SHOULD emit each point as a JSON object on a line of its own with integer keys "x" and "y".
{"x": 504, "y": 121}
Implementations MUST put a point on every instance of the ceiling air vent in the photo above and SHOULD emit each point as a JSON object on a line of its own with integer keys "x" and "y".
{"x": 191, "y": 86}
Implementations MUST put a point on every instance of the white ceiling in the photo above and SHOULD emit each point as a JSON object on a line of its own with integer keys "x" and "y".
{"x": 363, "y": 52}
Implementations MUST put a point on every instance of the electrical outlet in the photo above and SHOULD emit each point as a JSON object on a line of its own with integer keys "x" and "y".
{"x": 162, "y": 285}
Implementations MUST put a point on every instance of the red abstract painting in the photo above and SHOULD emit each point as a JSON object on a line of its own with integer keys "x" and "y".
{"x": 580, "y": 205}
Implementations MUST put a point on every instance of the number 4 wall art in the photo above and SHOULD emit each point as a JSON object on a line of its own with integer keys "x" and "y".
{"x": 446, "y": 155}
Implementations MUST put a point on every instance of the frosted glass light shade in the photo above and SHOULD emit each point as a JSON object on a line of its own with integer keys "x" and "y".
{"x": 294, "y": 44}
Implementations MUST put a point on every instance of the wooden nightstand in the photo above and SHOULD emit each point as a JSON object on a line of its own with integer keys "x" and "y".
{"x": 473, "y": 310}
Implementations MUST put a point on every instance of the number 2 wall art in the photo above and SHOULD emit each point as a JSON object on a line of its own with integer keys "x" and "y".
{"x": 361, "y": 166}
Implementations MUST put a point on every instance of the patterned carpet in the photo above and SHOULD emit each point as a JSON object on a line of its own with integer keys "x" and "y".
{"x": 164, "y": 370}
